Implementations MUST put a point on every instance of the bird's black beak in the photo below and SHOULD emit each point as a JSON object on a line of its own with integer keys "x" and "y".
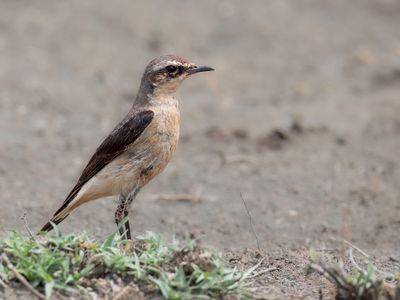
{"x": 197, "y": 69}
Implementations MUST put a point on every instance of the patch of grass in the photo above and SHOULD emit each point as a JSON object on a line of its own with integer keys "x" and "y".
{"x": 67, "y": 263}
{"x": 359, "y": 283}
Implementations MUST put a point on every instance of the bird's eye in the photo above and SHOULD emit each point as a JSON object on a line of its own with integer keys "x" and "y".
{"x": 171, "y": 69}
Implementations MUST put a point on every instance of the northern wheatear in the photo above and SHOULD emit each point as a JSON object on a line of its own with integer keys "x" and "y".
{"x": 139, "y": 147}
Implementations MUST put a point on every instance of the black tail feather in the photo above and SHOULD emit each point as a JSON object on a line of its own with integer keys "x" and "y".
{"x": 49, "y": 225}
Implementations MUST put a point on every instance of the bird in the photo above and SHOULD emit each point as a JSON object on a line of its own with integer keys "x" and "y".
{"x": 138, "y": 148}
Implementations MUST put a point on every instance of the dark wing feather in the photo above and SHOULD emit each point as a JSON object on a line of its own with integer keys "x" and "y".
{"x": 123, "y": 135}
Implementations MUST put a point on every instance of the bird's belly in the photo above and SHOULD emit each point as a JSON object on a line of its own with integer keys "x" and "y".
{"x": 139, "y": 164}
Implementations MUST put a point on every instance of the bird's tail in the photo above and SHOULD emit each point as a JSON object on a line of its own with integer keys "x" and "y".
{"x": 73, "y": 201}
{"x": 56, "y": 219}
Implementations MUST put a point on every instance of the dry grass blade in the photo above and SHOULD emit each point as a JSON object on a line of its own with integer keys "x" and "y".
{"x": 262, "y": 272}
{"x": 356, "y": 248}
{"x": 251, "y": 222}
{"x": 2, "y": 284}
{"x": 331, "y": 274}
{"x": 26, "y": 225}
{"x": 180, "y": 198}
{"x": 353, "y": 261}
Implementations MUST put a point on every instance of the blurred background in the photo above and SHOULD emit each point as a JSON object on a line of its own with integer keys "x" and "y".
{"x": 301, "y": 116}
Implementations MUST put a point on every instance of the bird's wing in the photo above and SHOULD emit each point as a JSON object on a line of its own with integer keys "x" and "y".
{"x": 122, "y": 136}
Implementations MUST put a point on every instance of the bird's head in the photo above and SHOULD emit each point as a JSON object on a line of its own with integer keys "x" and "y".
{"x": 163, "y": 75}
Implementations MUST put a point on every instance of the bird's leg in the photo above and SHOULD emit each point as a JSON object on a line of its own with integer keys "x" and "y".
{"x": 122, "y": 213}
{"x": 127, "y": 226}
{"x": 131, "y": 197}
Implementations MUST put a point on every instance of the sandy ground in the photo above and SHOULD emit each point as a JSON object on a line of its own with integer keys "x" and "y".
{"x": 301, "y": 116}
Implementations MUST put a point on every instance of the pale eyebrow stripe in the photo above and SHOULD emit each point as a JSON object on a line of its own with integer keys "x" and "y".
{"x": 170, "y": 62}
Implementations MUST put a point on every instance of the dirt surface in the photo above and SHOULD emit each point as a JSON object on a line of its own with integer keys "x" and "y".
{"x": 301, "y": 116}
